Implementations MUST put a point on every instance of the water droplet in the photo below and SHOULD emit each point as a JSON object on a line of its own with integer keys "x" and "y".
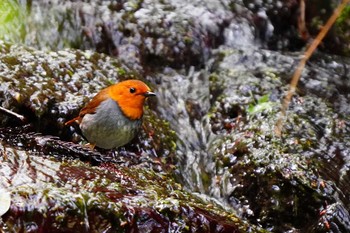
{"x": 275, "y": 188}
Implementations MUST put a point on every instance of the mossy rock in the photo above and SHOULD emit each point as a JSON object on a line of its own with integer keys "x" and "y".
{"x": 72, "y": 196}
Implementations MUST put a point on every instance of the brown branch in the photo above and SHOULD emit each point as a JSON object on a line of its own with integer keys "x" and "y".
{"x": 298, "y": 71}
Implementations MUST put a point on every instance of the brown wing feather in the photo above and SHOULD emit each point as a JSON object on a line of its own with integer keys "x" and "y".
{"x": 76, "y": 119}
{"x": 90, "y": 108}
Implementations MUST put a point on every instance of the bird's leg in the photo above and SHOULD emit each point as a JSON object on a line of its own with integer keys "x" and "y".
{"x": 91, "y": 145}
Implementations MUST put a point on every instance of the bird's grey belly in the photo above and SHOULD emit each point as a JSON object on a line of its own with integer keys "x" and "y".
{"x": 108, "y": 127}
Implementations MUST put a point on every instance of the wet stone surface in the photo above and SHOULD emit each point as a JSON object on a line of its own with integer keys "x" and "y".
{"x": 72, "y": 196}
{"x": 231, "y": 148}
{"x": 49, "y": 85}
{"x": 50, "y": 88}
{"x": 211, "y": 126}
{"x": 142, "y": 33}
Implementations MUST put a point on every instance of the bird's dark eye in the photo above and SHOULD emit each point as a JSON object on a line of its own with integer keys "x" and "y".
{"x": 132, "y": 90}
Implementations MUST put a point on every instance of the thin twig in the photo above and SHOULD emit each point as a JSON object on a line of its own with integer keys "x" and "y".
{"x": 304, "y": 34}
{"x": 11, "y": 113}
{"x": 298, "y": 71}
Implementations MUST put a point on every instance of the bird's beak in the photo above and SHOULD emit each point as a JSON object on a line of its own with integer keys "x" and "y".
{"x": 149, "y": 93}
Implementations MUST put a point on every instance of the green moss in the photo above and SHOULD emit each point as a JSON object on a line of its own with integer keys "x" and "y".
{"x": 11, "y": 61}
{"x": 121, "y": 71}
{"x": 343, "y": 29}
{"x": 344, "y": 16}
{"x": 188, "y": 40}
{"x": 12, "y": 20}
{"x": 263, "y": 104}
{"x": 163, "y": 138}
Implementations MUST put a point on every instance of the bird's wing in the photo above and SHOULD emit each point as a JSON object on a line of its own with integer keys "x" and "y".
{"x": 76, "y": 119}
{"x": 90, "y": 108}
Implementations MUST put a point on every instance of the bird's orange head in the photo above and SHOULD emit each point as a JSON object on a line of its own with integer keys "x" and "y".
{"x": 130, "y": 96}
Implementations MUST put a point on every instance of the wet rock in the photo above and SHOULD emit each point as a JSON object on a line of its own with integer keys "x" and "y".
{"x": 50, "y": 88}
{"x": 283, "y": 184}
{"x": 148, "y": 34}
{"x": 222, "y": 107}
{"x": 290, "y": 25}
{"x": 255, "y": 168}
{"x": 72, "y": 196}
{"x": 47, "y": 86}
{"x": 141, "y": 33}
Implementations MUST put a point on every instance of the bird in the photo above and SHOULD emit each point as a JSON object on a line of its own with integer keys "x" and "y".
{"x": 114, "y": 115}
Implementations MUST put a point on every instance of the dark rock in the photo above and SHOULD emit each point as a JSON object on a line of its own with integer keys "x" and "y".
{"x": 71, "y": 196}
